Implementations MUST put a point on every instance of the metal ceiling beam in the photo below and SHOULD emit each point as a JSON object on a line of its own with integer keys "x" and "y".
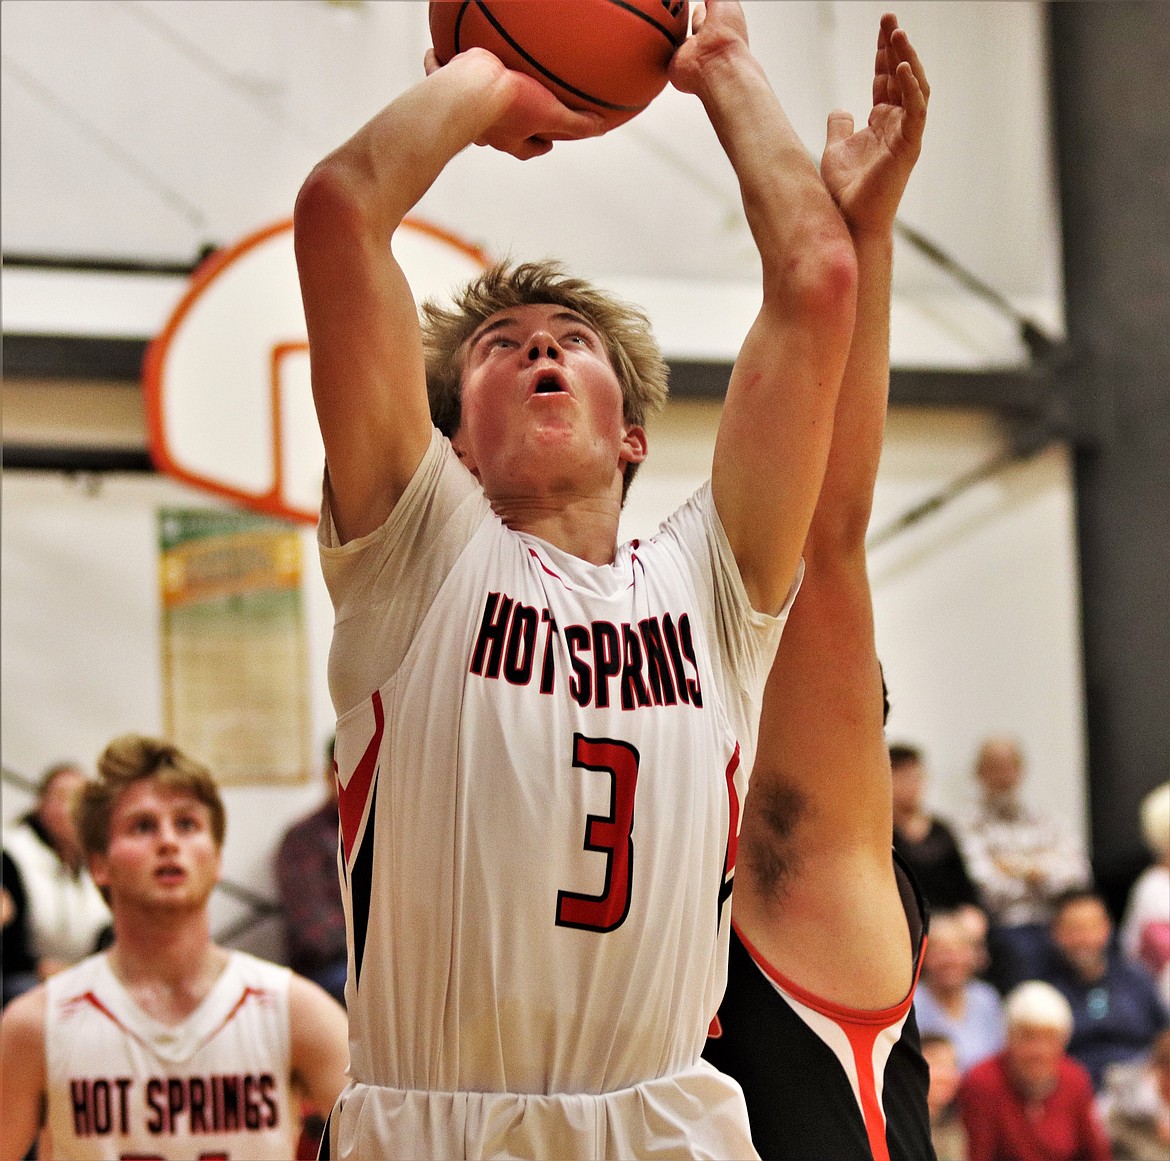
{"x": 1024, "y": 391}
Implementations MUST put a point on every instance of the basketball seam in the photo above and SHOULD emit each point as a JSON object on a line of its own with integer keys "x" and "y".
{"x": 542, "y": 70}
{"x": 634, "y": 10}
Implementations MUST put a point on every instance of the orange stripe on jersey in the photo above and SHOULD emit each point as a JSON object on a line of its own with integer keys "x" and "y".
{"x": 249, "y": 993}
{"x": 351, "y": 798}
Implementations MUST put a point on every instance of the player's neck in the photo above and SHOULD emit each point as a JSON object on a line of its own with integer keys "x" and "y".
{"x": 584, "y": 526}
{"x": 168, "y": 968}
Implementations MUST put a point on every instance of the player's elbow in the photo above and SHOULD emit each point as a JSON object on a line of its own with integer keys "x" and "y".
{"x": 330, "y": 204}
{"x": 839, "y": 527}
{"x": 816, "y": 289}
{"x": 822, "y": 282}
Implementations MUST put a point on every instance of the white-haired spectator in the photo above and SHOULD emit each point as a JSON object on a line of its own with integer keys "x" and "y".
{"x": 1032, "y": 1102}
{"x": 1145, "y": 927}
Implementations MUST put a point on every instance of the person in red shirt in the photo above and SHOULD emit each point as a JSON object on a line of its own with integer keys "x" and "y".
{"x": 1032, "y": 1101}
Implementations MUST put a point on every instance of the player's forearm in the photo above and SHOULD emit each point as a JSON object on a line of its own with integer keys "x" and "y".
{"x": 797, "y": 228}
{"x": 846, "y": 500}
{"x": 385, "y": 168}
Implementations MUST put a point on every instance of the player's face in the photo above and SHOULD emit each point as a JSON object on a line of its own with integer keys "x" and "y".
{"x": 162, "y": 851}
{"x": 542, "y": 406}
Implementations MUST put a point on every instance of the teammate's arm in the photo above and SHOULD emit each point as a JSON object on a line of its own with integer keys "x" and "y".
{"x": 320, "y": 1043}
{"x": 22, "y": 1073}
{"x": 364, "y": 342}
{"x": 815, "y": 889}
{"x": 778, "y": 415}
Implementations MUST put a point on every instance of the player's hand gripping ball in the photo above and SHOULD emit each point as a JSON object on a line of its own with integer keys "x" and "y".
{"x": 604, "y": 56}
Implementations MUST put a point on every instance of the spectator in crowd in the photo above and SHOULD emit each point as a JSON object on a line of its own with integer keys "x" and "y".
{"x": 946, "y": 1126}
{"x": 55, "y": 915}
{"x": 1032, "y": 1101}
{"x": 950, "y": 1001}
{"x": 1139, "y": 1112}
{"x": 1117, "y": 1012}
{"x": 926, "y": 843}
{"x": 1021, "y": 861}
{"x": 1145, "y": 926}
{"x": 310, "y": 892}
{"x": 166, "y": 1045}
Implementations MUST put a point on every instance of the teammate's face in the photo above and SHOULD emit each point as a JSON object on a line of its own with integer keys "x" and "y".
{"x": 542, "y": 407}
{"x": 162, "y": 851}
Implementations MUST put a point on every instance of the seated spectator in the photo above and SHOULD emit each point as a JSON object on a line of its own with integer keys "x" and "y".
{"x": 1032, "y": 1101}
{"x": 1021, "y": 860}
{"x": 310, "y": 892}
{"x": 1145, "y": 926}
{"x": 1139, "y": 1109}
{"x": 950, "y": 1001}
{"x": 1117, "y": 1013}
{"x": 927, "y": 845}
{"x": 56, "y": 916}
{"x": 947, "y": 1134}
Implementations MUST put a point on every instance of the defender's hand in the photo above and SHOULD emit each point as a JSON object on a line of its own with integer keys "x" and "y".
{"x": 867, "y": 171}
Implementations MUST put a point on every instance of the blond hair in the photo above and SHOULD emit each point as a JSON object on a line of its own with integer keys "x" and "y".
{"x": 132, "y": 758}
{"x": 624, "y": 329}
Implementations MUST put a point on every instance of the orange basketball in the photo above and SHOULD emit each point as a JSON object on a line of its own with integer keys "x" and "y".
{"x": 607, "y": 56}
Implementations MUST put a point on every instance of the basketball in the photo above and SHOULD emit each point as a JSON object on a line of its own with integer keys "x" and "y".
{"x": 604, "y": 56}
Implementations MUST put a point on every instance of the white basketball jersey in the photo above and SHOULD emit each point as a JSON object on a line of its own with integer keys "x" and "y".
{"x": 216, "y": 1087}
{"x": 541, "y": 766}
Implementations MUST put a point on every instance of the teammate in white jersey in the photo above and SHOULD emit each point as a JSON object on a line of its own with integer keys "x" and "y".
{"x": 166, "y": 1046}
{"x": 816, "y": 1022}
{"x": 542, "y": 736}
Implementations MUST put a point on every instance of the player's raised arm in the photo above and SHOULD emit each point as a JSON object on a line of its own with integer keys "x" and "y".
{"x": 364, "y": 343}
{"x": 816, "y": 884}
{"x": 22, "y": 1073}
{"x": 778, "y": 415}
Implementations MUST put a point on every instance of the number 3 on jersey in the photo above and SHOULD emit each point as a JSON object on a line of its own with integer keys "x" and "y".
{"x": 609, "y": 833}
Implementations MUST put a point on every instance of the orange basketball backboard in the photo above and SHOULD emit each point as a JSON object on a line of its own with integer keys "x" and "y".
{"x": 228, "y": 401}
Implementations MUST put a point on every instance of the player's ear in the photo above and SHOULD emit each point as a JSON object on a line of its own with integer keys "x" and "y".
{"x": 634, "y": 445}
{"x": 99, "y": 870}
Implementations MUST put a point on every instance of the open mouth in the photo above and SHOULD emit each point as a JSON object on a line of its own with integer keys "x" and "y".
{"x": 549, "y": 384}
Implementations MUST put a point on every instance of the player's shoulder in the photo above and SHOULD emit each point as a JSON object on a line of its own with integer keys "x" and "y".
{"x": 88, "y": 974}
{"x": 258, "y": 972}
{"x": 23, "y": 1019}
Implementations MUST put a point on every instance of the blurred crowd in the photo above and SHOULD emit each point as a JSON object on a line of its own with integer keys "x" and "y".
{"x": 1045, "y": 1018}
